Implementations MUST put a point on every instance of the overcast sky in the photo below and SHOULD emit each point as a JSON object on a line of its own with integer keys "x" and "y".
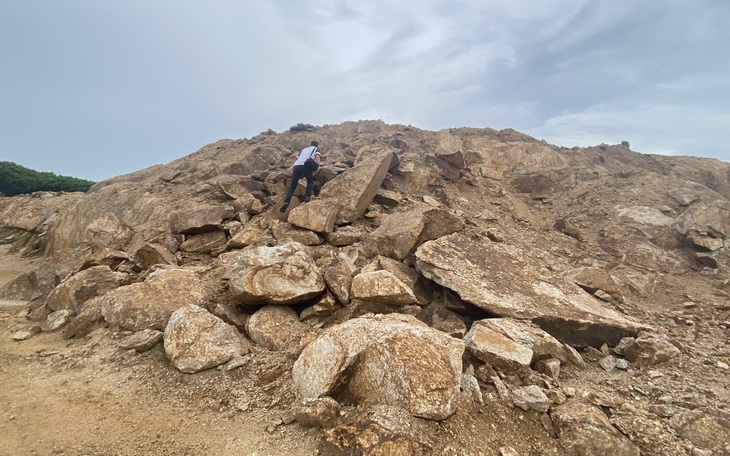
{"x": 94, "y": 89}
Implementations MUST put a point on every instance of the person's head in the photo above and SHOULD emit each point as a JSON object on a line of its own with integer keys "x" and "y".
{"x": 314, "y": 143}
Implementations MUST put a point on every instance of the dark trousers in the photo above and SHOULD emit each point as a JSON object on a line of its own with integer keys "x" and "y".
{"x": 299, "y": 172}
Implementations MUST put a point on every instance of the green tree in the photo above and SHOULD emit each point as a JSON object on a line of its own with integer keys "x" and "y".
{"x": 16, "y": 180}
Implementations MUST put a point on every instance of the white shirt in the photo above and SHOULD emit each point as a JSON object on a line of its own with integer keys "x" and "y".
{"x": 305, "y": 154}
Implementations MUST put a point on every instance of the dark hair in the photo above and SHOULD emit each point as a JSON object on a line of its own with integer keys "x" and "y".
{"x": 315, "y": 144}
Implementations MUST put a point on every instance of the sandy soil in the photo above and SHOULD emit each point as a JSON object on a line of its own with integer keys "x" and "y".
{"x": 88, "y": 397}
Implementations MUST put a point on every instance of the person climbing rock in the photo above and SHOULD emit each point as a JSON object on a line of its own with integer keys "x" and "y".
{"x": 306, "y": 165}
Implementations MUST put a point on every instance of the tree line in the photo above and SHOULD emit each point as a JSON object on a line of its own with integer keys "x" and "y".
{"x": 16, "y": 180}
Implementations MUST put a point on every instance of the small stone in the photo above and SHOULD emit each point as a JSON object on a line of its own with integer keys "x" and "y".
{"x": 25, "y": 334}
{"x": 622, "y": 364}
{"x": 723, "y": 366}
{"x": 608, "y": 363}
{"x": 654, "y": 374}
{"x": 508, "y": 451}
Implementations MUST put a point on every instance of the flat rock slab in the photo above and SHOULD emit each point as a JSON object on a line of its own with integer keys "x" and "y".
{"x": 501, "y": 282}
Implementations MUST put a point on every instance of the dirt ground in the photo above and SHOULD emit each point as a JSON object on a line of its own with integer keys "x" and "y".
{"x": 88, "y": 397}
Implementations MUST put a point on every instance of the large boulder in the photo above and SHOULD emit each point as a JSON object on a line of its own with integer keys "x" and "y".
{"x": 283, "y": 274}
{"x": 319, "y": 215}
{"x": 196, "y": 340}
{"x": 149, "y": 304}
{"x": 402, "y": 232}
{"x": 356, "y": 187}
{"x": 391, "y": 359}
{"x": 200, "y": 218}
{"x": 495, "y": 279}
{"x": 82, "y": 286}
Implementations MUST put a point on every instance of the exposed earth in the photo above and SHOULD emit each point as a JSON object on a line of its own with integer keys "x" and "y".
{"x": 608, "y": 209}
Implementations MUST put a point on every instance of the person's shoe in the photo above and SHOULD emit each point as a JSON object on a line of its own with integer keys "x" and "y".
{"x": 307, "y": 199}
{"x": 284, "y": 206}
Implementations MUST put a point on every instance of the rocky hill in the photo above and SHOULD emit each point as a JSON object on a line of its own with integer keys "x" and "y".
{"x": 467, "y": 291}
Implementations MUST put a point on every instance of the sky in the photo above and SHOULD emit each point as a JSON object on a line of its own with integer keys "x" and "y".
{"x": 94, "y": 89}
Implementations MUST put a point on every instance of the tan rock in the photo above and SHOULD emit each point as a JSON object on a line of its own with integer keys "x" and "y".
{"x": 249, "y": 235}
{"x": 82, "y": 286}
{"x": 204, "y": 242}
{"x": 200, "y": 218}
{"x": 277, "y": 328}
{"x": 382, "y": 287}
{"x": 370, "y": 437}
{"x": 319, "y": 215}
{"x": 196, "y": 340}
{"x": 152, "y": 253}
{"x": 356, "y": 187}
{"x": 650, "y": 349}
{"x": 149, "y": 304}
{"x": 284, "y": 232}
{"x": 402, "y": 232}
{"x": 107, "y": 232}
{"x": 584, "y": 430}
{"x": 493, "y": 278}
{"x": 393, "y": 359}
{"x": 283, "y": 274}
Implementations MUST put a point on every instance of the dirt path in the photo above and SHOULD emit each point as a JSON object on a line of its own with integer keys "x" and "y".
{"x": 88, "y": 397}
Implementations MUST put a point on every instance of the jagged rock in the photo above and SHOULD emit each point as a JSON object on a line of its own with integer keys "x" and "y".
{"x": 319, "y": 215}
{"x": 706, "y": 217}
{"x": 650, "y": 349}
{"x": 392, "y": 359}
{"x": 531, "y": 398}
{"x": 684, "y": 196}
{"x": 356, "y": 187}
{"x": 25, "y": 334}
{"x": 402, "y": 232}
{"x": 277, "y": 328}
{"x": 231, "y": 314}
{"x": 369, "y": 437}
{"x": 249, "y": 235}
{"x": 204, "y": 242}
{"x": 346, "y": 235}
{"x": 708, "y": 429}
{"x": 284, "y": 232}
{"x": 448, "y": 160}
{"x": 324, "y": 307}
{"x": 608, "y": 363}
{"x": 441, "y": 318}
{"x": 338, "y": 283}
{"x": 381, "y": 287}
{"x": 149, "y": 304}
{"x": 594, "y": 280}
{"x": 107, "y": 232}
{"x": 511, "y": 344}
{"x": 59, "y": 319}
{"x": 196, "y": 340}
{"x": 152, "y": 253}
{"x": 283, "y": 274}
{"x": 492, "y": 278}
{"x": 142, "y": 341}
{"x": 319, "y": 412}
{"x": 200, "y": 218}
{"x": 89, "y": 316}
{"x": 549, "y": 367}
{"x": 82, "y": 286}
{"x": 584, "y": 430}
{"x": 470, "y": 386}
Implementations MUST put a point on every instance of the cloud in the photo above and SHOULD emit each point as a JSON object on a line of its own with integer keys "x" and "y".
{"x": 96, "y": 89}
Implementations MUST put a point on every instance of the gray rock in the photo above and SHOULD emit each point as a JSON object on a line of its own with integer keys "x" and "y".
{"x": 142, "y": 341}
{"x": 59, "y": 319}
{"x": 608, "y": 363}
{"x": 531, "y": 398}
{"x": 25, "y": 334}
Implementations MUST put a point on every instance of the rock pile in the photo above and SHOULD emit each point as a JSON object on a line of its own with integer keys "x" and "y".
{"x": 431, "y": 270}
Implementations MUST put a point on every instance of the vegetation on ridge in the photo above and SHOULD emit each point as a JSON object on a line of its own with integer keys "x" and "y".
{"x": 16, "y": 180}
